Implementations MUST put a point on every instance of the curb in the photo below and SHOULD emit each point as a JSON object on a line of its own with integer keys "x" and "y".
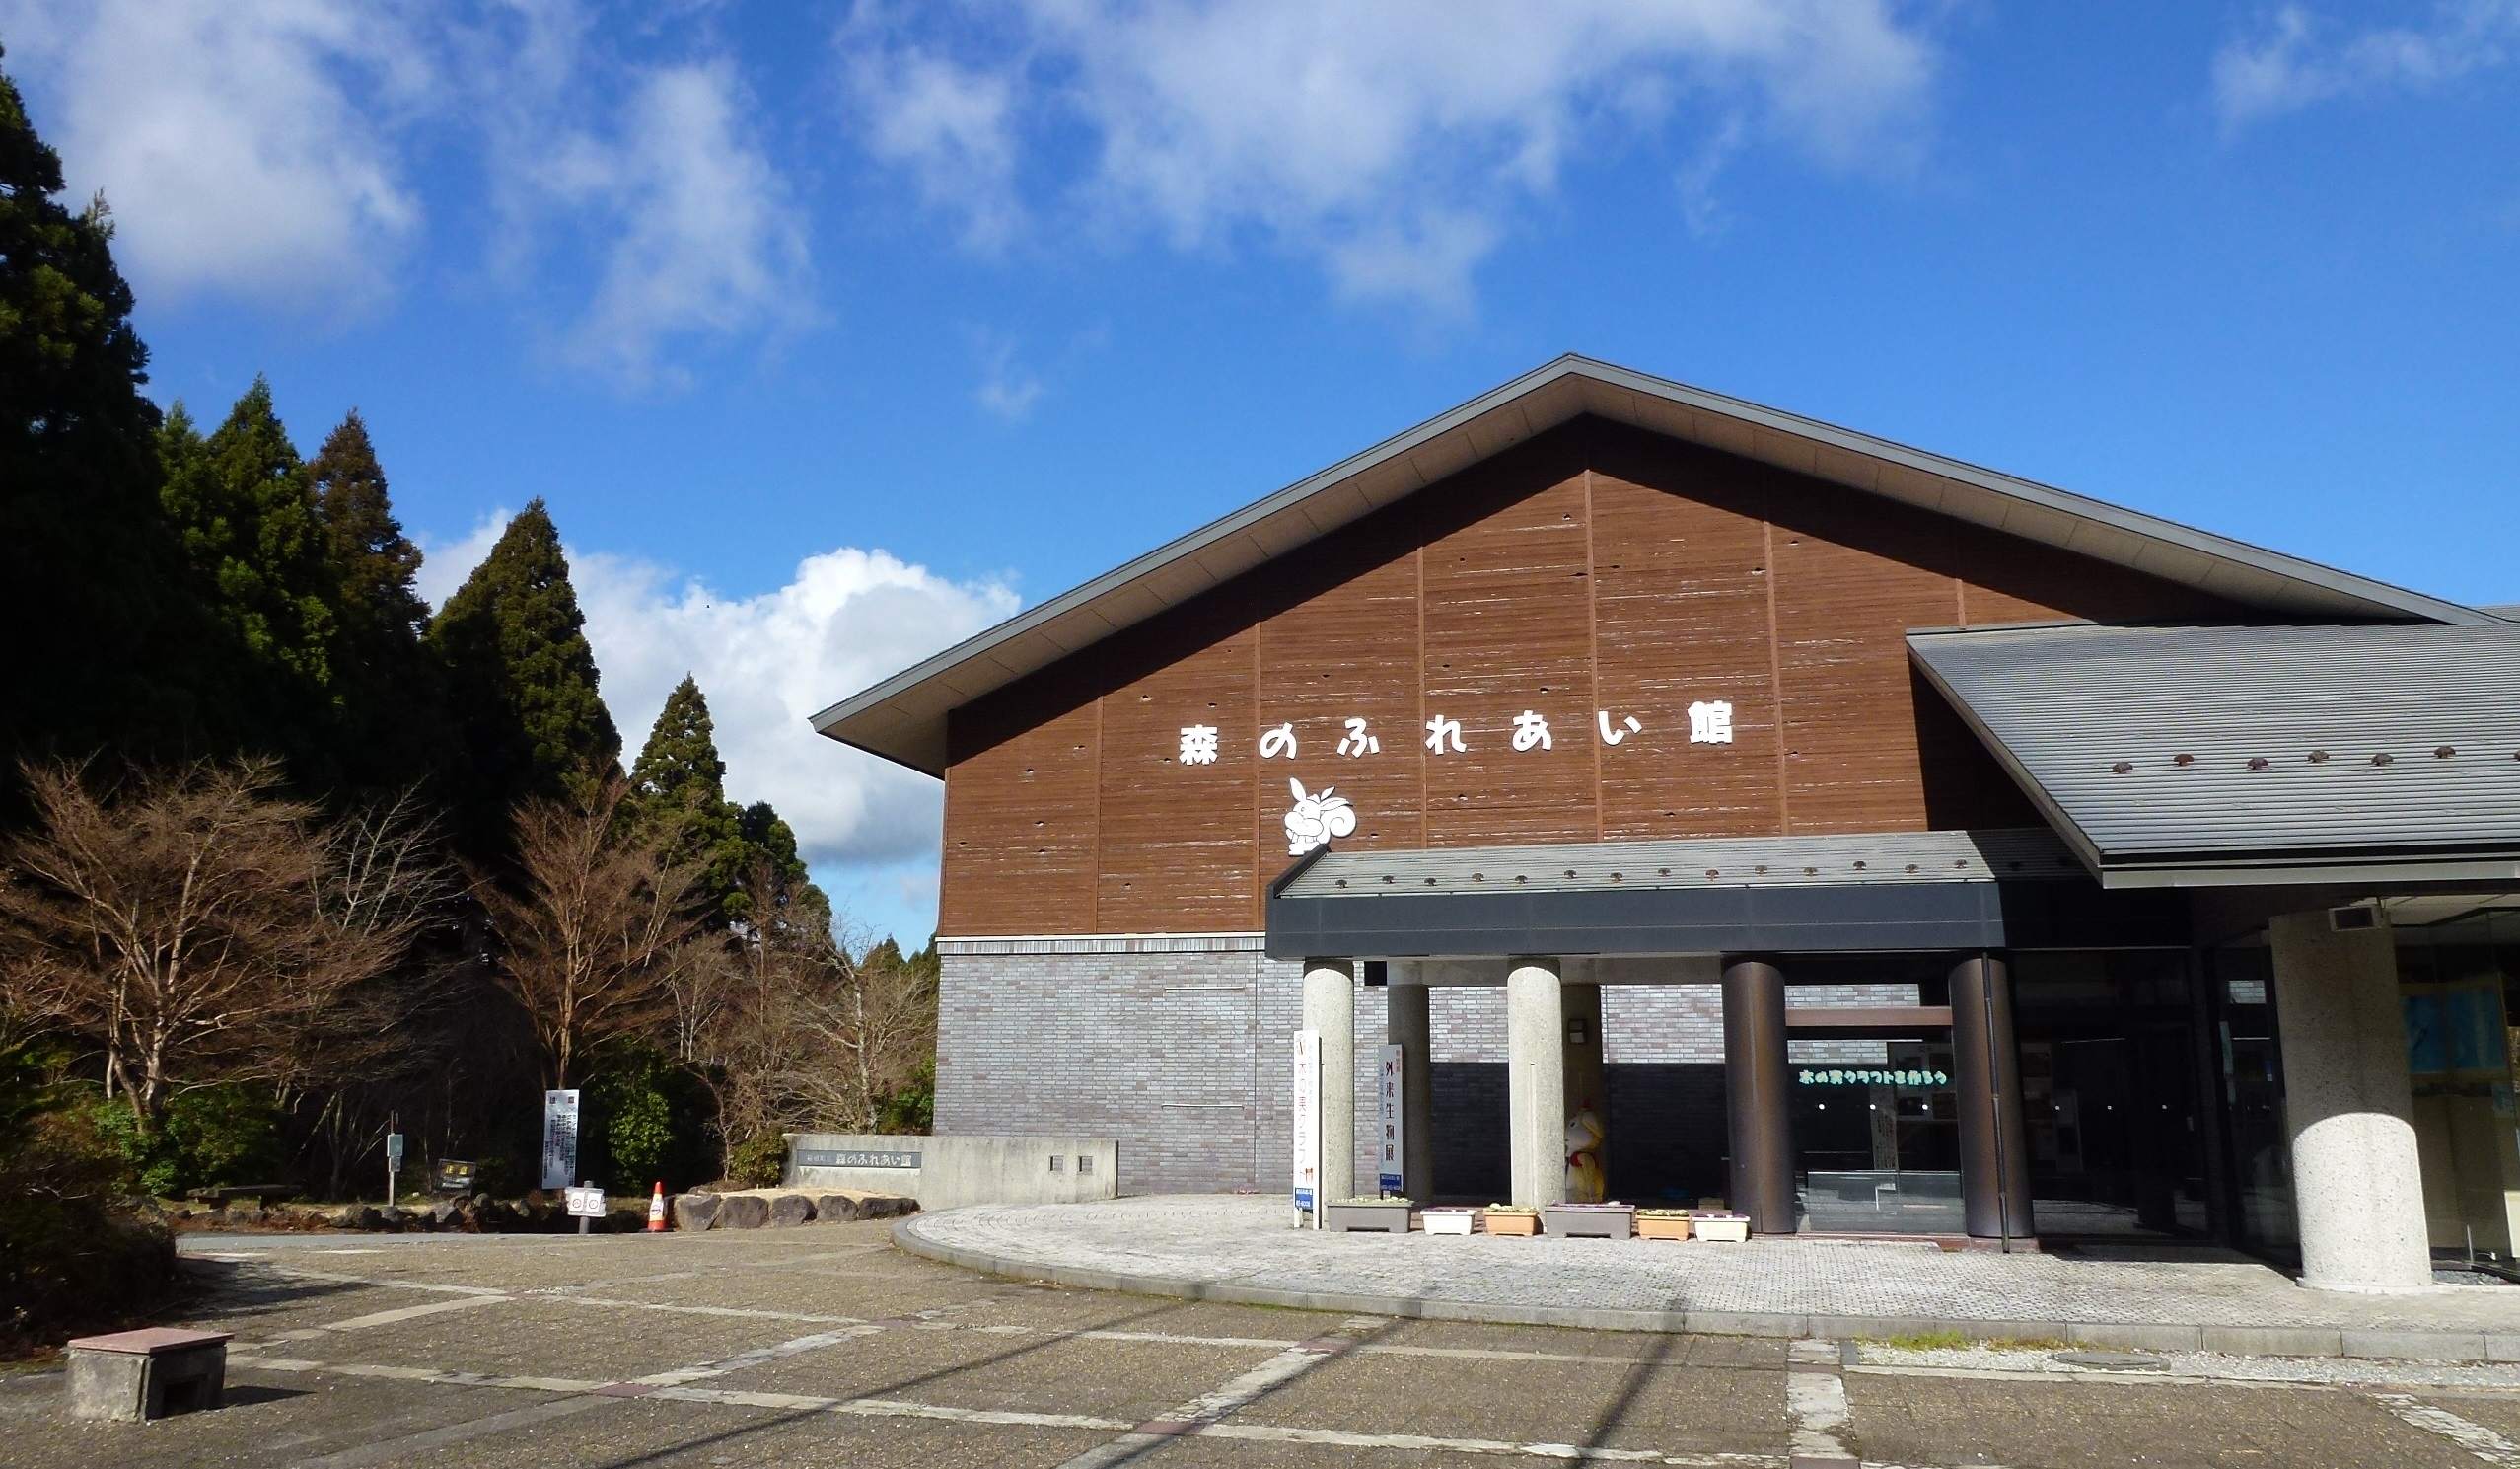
{"x": 2136, "y": 1336}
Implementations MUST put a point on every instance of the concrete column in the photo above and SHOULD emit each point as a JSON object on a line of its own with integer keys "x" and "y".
{"x": 1411, "y": 1028}
{"x": 1587, "y": 1088}
{"x": 1755, "y": 1096}
{"x": 1330, "y": 1006}
{"x": 1986, "y": 1080}
{"x": 2357, "y": 1186}
{"x": 1535, "y": 1081}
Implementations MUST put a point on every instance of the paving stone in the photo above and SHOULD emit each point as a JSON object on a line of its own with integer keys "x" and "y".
{"x": 1203, "y": 1242}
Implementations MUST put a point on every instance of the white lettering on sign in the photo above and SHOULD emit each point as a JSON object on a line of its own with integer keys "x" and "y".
{"x": 1278, "y": 742}
{"x": 1198, "y": 743}
{"x": 1439, "y": 729}
{"x": 1710, "y": 723}
{"x": 1315, "y": 819}
{"x": 1612, "y": 735}
{"x": 1387, "y": 1122}
{"x": 1358, "y": 741}
{"x": 1531, "y": 729}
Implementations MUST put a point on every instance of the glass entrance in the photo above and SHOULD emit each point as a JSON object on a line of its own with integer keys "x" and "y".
{"x": 2109, "y": 1092}
{"x": 1878, "y": 1139}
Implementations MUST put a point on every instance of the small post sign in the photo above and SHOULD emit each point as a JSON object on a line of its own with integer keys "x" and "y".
{"x": 1307, "y": 1116}
{"x": 585, "y": 1204}
{"x": 392, "y": 1164}
{"x": 454, "y": 1176}
{"x": 559, "y": 1137}
{"x": 1389, "y": 1145}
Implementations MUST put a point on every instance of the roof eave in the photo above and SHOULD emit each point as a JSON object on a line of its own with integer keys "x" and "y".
{"x": 1534, "y": 404}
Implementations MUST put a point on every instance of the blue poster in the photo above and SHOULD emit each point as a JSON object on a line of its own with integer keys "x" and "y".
{"x": 2427, "y": 1050}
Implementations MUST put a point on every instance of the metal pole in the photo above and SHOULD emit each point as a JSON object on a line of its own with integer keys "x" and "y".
{"x": 1995, "y": 1098}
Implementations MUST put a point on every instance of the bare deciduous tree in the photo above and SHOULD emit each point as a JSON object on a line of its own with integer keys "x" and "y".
{"x": 802, "y": 1024}
{"x": 196, "y": 926}
{"x": 595, "y": 930}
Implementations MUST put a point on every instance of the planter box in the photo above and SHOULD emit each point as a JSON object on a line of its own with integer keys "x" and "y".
{"x": 1494, "y": 1222}
{"x": 1591, "y": 1221}
{"x": 1729, "y": 1228}
{"x": 1373, "y": 1216}
{"x": 1662, "y": 1226}
{"x": 1450, "y": 1220}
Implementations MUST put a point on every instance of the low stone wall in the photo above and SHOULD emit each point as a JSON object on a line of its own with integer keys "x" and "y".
{"x": 779, "y": 1208}
{"x": 950, "y": 1172}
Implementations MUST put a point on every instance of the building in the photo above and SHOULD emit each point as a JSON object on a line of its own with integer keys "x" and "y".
{"x": 1875, "y": 841}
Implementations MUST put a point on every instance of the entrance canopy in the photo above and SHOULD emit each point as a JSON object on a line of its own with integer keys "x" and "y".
{"x": 1895, "y": 891}
{"x": 2254, "y": 754}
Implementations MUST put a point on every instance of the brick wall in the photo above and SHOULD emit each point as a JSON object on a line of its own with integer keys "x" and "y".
{"x": 1180, "y": 1047}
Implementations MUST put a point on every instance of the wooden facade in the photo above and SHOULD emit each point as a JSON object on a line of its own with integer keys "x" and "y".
{"x": 1595, "y": 568}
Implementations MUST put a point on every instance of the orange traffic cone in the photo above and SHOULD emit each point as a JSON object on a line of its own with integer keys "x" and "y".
{"x": 656, "y": 1210}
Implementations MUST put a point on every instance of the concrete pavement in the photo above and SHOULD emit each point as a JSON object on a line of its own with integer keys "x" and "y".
{"x": 825, "y": 1346}
{"x": 1238, "y": 1248}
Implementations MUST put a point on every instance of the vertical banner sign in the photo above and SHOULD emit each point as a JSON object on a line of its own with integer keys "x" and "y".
{"x": 1386, "y": 1121}
{"x": 1307, "y": 1117}
{"x": 559, "y": 1138}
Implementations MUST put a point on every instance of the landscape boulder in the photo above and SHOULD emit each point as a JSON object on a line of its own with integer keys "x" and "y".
{"x": 695, "y": 1211}
{"x": 846, "y": 1205}
{"x": 742, "y": 1211}
{"x": 790, "y": 1208}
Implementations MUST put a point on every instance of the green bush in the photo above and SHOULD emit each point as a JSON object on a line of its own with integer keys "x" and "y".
{"x": 912, "y": 1109}
{"x": 210, "y": 1135}
{"x": 757, "y": 1162}
{"x": 74, "y": 1257}
{"x": 648, "y": 1118}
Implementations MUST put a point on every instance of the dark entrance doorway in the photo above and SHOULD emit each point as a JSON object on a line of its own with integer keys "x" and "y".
{"x": 2109, "y": 1094}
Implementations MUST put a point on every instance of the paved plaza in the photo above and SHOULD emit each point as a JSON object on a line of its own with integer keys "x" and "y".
{"x": 1226, "y": 1247}
{"x": 826, "y": 1344}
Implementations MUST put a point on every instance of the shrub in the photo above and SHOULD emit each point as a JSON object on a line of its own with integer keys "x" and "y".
{"x": 757, "y": 1162}
{"x": 211, "y": 1136}
{"x": 73, "y": 1255}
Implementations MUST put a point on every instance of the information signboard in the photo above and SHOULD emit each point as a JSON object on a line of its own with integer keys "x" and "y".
{"x": 559, "y": 1138}
{"x": 1307, "y": 1118}
{"x": 456, "y": 1176}
{"x": 1389, "y": 1145}
{"x": 585, "y": 1203}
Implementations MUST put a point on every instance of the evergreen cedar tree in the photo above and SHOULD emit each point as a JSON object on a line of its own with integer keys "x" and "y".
{"x": 677, "y": 794}
{"x": 521, "y": 679}
{"x": 261, "y": 562}
{"x": 394, "y": 730}
{"x": 97, "y": 640}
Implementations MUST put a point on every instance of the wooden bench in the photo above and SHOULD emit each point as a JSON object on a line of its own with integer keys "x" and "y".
{"x": 148, "y": 1373}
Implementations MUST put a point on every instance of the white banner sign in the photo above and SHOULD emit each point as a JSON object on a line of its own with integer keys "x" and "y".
{"x": 559, "y": 1138}
{"x": 1308, "y": 1117}
{"x": 1387, "y": 1125}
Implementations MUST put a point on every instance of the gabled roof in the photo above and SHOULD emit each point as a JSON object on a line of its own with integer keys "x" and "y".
{"x": 903, "y": 718}
{"x": 2187, "y": 756}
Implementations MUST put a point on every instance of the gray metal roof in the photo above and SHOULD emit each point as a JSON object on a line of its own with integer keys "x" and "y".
{"x": 903, "y": 718}
{"x": 2194, "y": 755}
{"x": 1901, "y": 857}
{"x": 1932, "y": 891}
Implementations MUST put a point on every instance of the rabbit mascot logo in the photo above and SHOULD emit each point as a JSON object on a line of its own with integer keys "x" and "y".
{"x": 1315, "y": 819}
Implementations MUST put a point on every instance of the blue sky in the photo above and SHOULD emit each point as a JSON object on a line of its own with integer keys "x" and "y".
{"x": 833, "y": 332}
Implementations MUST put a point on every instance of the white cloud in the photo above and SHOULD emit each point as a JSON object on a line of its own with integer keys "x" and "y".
{"x": 273, "y": 149}
{"x": 768, "y": 663}
{"x": 1392, "y": 142}
{"x": 2298, "y": 58}
{"x": 244, "y": 147}
{"x": 1007, "y": 387}
{"x": 444, "y": 564}
{"x": 705, "y": 238}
